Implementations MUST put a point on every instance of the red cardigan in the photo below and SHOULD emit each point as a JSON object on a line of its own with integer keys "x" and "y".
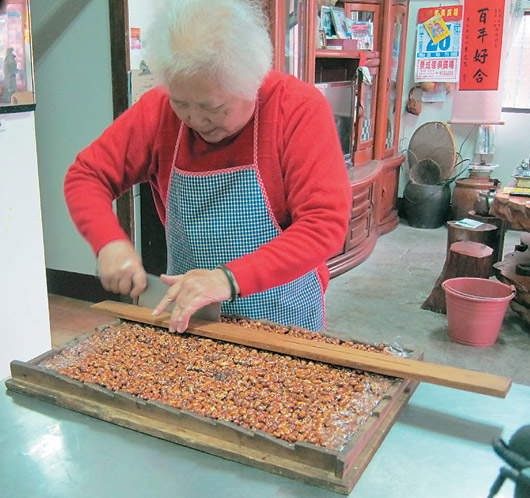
{"x": 299, "y": 158}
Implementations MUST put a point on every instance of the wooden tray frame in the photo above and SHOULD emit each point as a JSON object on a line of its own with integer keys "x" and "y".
{"x": 330, "y": 469}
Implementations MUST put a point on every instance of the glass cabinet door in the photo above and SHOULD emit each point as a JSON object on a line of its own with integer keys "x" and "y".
{"x": 366, "y": 105}
{"x": 395, "y": 77}
{"x": 300, "y": 35}
{"x": 293, "y": 35}
{"x": 365, "y": 26}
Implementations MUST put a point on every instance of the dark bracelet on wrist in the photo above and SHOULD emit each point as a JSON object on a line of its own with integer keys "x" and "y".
{"x": 231, "y": 281}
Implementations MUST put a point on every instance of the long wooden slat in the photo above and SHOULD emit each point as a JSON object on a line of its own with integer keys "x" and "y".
{"x": 457, "y": 378}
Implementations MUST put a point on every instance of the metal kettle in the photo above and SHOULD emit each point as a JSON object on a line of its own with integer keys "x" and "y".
{"x": 484, "y": 201}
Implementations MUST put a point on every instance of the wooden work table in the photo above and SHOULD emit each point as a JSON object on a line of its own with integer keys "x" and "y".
{"x": 516, "y": 211}
{"x": 338, "y": 469}
{"x": 440, "y": 446}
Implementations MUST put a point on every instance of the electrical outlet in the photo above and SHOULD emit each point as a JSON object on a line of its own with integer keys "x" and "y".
{"x": 2, "y": 125}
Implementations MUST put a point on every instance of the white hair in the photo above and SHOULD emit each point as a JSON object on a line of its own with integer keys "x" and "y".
{"x": 225, "y": 41}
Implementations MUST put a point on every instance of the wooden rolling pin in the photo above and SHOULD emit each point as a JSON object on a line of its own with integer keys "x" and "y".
{"x": 457, "y": 378}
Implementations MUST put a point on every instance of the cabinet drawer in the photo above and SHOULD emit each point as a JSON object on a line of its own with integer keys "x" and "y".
{"x": 362, "y": 201}
{"x": 359, "y": 230}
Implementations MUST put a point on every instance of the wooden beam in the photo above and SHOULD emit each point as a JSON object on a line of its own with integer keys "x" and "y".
{"x": 120, "y": 66}
{"x": 119, "y": 54}
{"x": 456, "y": 378}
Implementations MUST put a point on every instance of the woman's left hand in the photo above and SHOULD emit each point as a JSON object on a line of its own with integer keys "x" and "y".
{"x": 192, "y": 291}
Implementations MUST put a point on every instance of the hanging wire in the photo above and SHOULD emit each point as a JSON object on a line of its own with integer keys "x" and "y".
{"x": 453, "y": 178}
{"x": 462, "y": 144}
{"x": 461, "y": 161}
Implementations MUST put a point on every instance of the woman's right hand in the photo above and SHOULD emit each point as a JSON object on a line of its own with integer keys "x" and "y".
{"x": 120, "y": 268}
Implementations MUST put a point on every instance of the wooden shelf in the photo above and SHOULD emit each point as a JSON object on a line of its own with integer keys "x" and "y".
{"x": 473, "y": 122}
{"x": 327, "y": 53}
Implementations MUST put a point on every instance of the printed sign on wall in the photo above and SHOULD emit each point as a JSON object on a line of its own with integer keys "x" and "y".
{"x": 438, "y": 59}
{"x": 481, "y": 44}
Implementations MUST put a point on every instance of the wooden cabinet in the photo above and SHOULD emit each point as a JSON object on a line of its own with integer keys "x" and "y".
{"x": 376, "y": 70}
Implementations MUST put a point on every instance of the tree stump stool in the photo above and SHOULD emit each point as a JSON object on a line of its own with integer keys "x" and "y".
{"x": 464, "y": 259}
{"x": 498, "y": 240}
{"x": 486, "y": 233}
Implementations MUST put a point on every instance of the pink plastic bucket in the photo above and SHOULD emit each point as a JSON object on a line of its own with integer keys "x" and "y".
{"x": 476, "y": 309}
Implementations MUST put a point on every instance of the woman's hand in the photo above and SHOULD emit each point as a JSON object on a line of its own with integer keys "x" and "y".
{"x": 120, "y": 269}
{"x": 192, "y": 291}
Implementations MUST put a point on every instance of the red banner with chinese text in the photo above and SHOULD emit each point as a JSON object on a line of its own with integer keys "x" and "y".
{"x": 481, "y": 44}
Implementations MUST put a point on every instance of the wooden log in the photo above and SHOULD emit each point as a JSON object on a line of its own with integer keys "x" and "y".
{"x": 507, "y": 272}
{"x": 499, "y": 234}
{"x": 515, "y": 210}
{"x": 457, "y": 378}
{"x": 464, "y": 259}
{"x": 484, "y": 234}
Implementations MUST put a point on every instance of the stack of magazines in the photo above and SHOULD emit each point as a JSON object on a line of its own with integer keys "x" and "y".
{"x": 335, "y": 24}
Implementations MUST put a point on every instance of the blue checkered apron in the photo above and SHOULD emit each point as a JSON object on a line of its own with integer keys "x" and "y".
{"x": 217, "y": 216}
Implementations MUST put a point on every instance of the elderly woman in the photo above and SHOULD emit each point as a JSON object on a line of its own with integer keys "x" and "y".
{"x": 245, "y": 168}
